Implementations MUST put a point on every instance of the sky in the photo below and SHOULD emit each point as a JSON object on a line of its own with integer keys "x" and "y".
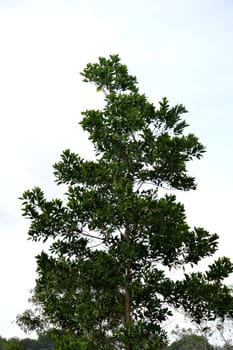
{"x": 177, "y": 48}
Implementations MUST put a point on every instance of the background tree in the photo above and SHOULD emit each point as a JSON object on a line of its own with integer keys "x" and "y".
{"x": 222, "y": 331}
{"x": 44, "y": 342}
{"x": 14, "y": 344}
{"x": 191, "y": 338}
{"x": 104, "y": 283}
{"x": 3, "y": 343}
{"x": 191, "y": 342}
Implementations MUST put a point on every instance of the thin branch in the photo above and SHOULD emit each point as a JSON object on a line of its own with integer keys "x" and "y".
{"x": 96, "y": 245}
{"x": 91, "y": 236}
{"x": 140, "y": 184}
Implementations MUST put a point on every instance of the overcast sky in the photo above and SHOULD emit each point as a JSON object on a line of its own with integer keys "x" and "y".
{"x": 181, "y": 49}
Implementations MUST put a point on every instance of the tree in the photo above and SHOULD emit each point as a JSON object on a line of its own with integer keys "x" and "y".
{"x": 191, "y": 342}
{"x": 14, "y": 344}
{"x": 3, "y": 343}
{"x": 103, "y": 284}
{"x": 222, "y": 331}
{"x": 42, "y": 343}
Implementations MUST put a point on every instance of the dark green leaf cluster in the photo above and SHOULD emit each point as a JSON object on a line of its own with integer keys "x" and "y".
{"x": 143, "y": 140}
{"x": 110, "y": 74}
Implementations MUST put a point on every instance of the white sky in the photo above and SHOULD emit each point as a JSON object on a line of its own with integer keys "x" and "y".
{"x": 177, "y": 48}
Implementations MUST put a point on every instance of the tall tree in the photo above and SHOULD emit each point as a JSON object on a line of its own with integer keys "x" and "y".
{"x": 103, "y": 284}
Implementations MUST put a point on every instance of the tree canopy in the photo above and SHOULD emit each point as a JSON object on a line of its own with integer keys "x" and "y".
{"x": 191, "y": 342}
{"x": 103, "y": 284}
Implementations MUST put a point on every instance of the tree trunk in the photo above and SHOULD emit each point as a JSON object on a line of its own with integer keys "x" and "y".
{"x": 127, "y": 288}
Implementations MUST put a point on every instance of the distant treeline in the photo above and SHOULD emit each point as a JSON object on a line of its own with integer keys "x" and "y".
{"x": 43, "y": 342}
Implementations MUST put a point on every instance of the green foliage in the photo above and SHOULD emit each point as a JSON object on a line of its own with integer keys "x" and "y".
{"x": 103, "y": 284}
{"x": 191, "y": 342}
{"x": 44, "y": 342}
